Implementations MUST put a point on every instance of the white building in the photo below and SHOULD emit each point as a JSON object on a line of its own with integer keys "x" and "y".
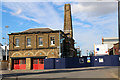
{"x": 2, "y": 52}
{"x": 110, "y": 41}
{"x": 101, "y": 49}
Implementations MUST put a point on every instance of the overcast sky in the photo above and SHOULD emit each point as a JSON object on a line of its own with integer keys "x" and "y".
{"x": 91, "y": 20}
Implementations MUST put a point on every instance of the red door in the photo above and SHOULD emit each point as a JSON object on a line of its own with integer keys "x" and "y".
{"x": 41, "y": 64}
{"x": 16, "y": 64}
{"x": 35, "y": 63}
{"x": 38, "y": 64}
{"x": 20, "y": 64}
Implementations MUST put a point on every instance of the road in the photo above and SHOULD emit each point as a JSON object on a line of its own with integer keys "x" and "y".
{"x": 88, "y": 72}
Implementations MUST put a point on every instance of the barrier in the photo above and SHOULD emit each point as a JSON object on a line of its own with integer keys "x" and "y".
{"x": 61, "y": 63}
{"x": 115, "y": 60}
{"x": 77, "y": 62}
{"x": 49, "y": 63}
{"x": 111, "y": 60}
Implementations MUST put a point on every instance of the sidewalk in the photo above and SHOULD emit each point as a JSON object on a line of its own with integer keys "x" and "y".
{"x": 46, "y": 70}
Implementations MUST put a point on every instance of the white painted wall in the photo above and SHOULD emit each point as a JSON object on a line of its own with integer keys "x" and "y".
{"x": 2, "y": 52}
{"x": 101, "y": 49}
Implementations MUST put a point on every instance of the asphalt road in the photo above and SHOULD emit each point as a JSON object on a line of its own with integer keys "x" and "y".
{"x": 88, "y": 72}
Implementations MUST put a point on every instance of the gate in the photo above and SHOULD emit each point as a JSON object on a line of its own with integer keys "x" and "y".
{"x": 19, "y": 64}
{"x": 38, "y": 64}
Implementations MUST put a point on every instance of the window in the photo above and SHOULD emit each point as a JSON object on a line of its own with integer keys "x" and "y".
{"x": 52, "y": 40}
{"x": 40, "y": 41}
{"x": 16, "y": 61}
{"x": 28, "y": 42}
{"x": 22, "y": 61}
{"x": 17, "y": 42}
{"x": 35, "y": 61}
{"x": 41, "y": 61}
{"x": 110, "y": 40}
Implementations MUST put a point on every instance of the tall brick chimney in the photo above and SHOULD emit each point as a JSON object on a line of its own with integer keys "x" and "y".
{"x": 68, "y": 21}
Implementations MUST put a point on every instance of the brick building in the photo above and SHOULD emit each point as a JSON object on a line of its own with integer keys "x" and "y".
{"x": 116, "y": 49}
{"x": 28, "y": 49}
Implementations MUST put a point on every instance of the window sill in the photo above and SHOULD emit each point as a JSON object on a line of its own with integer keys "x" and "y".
{"x": 52, "y": 45}
{"x": 40, "y": 45}
{"x": 29, "y": 46}
{"x": 17, "y": 46}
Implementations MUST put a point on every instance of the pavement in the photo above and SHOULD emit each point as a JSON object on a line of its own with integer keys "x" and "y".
{"x": 86, "y": 72}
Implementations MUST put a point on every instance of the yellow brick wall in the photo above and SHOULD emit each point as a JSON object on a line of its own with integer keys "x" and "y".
{"x": 28, "y": 63}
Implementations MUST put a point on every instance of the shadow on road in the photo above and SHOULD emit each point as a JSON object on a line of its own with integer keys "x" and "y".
{"x": 48, "y": 72}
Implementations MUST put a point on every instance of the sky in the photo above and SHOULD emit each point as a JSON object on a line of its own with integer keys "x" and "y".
{"x": 91, "y": 20}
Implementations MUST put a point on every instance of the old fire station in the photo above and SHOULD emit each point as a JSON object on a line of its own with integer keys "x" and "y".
{"x": 29, "y": 48}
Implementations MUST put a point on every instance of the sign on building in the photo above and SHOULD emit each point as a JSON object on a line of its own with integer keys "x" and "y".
{"x": 101, "y": 49}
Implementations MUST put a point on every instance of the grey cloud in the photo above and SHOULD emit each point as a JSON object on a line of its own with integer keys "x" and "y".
{"x": 93, "y": 9}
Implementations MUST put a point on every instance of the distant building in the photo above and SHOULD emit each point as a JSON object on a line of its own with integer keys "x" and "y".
{"x": 116, "y": 49}
{"x": 3, "y": 53}
{"x": 29, "y": 48}
{"x": 112, "y": 45}
{"x": 100, "y": 50}
{"x": 110, "y": 41}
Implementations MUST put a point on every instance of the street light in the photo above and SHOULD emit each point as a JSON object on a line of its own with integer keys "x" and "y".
{"x": 119, "y": 22}
{"x": 87, "y": 52}
{"x": 6, "y": 40}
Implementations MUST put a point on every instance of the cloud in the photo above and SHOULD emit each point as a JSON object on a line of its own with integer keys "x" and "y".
{"x": 58, "y": 3}
{"x": 59, "y": 0}
{"x": 93, "y": 9}
{"x": 80, "y": 24}
{"x": 4, "y": 11}
{"x": 41, "y": 13}
{"x": 91, "y": 21}
{"x": 18, "y": 12}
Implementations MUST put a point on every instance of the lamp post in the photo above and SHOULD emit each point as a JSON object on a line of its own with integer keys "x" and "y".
{"x": 87, "y": 53}
{"x": 6, "y": 40}
{"x": 59, "y": 45}
{"x": 119, "y": 23}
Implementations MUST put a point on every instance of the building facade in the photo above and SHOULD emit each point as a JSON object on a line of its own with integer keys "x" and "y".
{"x": 110, "y": 41}
{"x": 3, "y": 52}
{"x": 28, "y": 49}
{"x": 31, "y": 46}
{"x": 116, "y": 49}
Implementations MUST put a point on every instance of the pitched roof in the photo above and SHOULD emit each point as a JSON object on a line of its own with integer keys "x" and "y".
{"x": 38, "y": 30}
